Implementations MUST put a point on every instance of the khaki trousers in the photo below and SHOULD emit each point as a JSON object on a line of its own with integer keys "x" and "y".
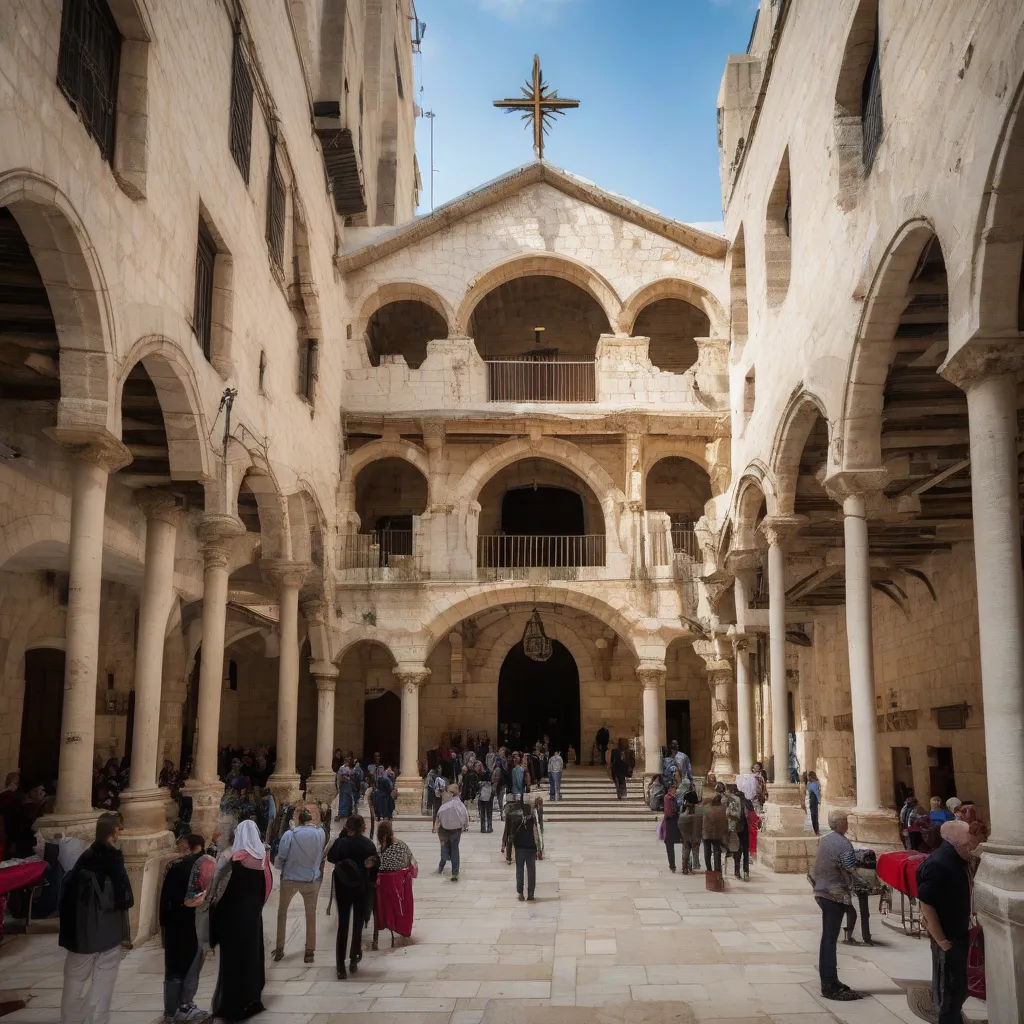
{"x": 309, "y": 891}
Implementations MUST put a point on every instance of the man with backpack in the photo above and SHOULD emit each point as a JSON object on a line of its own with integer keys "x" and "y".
{"x": 529, "y": 845}
{"x": 452, "y": 821}
{"x": 355, "y": 860}
{"x": 93, "y": 923}
{"x": 485, "y": 797}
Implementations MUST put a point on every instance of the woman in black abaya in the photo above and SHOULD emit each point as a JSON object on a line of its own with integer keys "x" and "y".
{"x": 236, "y": 926}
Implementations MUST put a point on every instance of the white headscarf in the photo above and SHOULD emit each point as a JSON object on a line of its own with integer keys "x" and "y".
{"x": 247, "y": 840}
{"x": 953, "y": 803}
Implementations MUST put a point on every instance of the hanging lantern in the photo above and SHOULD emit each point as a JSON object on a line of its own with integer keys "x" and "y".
{"x": 536, "y": 644}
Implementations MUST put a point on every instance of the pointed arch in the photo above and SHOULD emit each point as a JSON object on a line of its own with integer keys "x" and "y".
{"x": 803, "y": 408}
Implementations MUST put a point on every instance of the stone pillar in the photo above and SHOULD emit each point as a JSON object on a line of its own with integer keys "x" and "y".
{"x": 288, "y": 577}
{"x": 410, "y": 786}
{"x": 744, "y": 706}
{"x": 719, "y": 670}
{"x": 987, "y": 371}
{"x": 783, "y": 813}
{"x": 652, "y": 679}
{"x": 92, "y": 461}
{"x": 321, "y": 783}
{"x": 216, "y": 531}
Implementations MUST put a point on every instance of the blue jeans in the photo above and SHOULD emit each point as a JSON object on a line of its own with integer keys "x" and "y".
{"x": 180, "y": 992}
{"x": 555, "y": 785}
{"x": 526, "y": 859}
{"x": 450, "y": 851}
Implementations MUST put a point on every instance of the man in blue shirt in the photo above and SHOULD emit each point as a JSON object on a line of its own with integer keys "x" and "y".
{"x": 300, "y": 858}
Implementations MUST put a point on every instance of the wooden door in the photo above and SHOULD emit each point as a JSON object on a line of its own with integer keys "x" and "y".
{"x": 39, "y": 753}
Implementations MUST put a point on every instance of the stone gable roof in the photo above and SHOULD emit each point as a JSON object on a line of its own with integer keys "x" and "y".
{"x": 702, "y": 242}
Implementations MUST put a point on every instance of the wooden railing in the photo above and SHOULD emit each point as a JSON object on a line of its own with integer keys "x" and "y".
{"x": 529, "y": 380}
{"x": 525, "y": 551}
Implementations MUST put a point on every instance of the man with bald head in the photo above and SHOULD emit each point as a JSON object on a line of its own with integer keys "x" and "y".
{"x": 944, "y": 891}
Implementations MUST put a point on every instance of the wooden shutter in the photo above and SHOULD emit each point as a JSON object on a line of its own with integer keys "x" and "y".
{"x": 871, "y": 107}
{"x": 240, "y": 119}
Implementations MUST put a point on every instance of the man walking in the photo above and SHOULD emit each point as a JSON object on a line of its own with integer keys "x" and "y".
{"x": 529, "y": 844}
{"x": 355, "y": 869}
{"x": 555, "y": 767}
{"x": 300, "y": 858}
{"x": 832, "y": 875}
{"x": 944, "y": 889}
{"x": 93, "y": 923}
{"x": 485, "y": 800}
{"x": 602, "y": 743}
{"x": 682, "y": 762}
{"x": 451, "y": 820}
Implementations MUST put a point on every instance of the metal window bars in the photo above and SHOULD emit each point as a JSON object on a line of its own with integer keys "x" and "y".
{"x": 240, "y": 116}
{"x": 535, "y": 380}
{"x": 525, "y": 551}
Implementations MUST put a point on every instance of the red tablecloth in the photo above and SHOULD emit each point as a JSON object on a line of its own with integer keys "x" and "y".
{"x": 18, "y": 876}
{"x": 899, "y": 870}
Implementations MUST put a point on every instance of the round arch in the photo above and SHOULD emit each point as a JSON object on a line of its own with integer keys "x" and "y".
{"x": 177, "y": 390}
{"x": 753, "y": 488}
{"x": 555, "y": 629}
{"x": 275, "y": 528}
{"x": 357, "y": 461}
{"x": 674, "y": 288}
{"x": 352, "y": 640}
{"x": 542, "y": 265}
{"x": 801, "y": 411}
{"x": 402, "y": 291}
{"x": 77, "y": 294}
{"x": 861, "y": 428}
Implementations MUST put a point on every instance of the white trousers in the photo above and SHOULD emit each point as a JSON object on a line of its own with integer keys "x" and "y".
{"x": 82, "y": 1002}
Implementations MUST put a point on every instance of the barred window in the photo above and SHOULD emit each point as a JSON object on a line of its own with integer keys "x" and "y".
{"x": 275, "y": 209}
{"x": 871, "y": 106}
{"x": 87, "y": 67}
{"x": 202, "y": 311}
{"x": 240, "y": 120}
{"x": 309, "y": 368}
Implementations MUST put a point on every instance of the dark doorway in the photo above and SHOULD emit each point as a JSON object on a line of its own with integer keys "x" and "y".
{"x": 39, "y": 753}
{"x": 677, "y": 724}
{"x": 541, "y": 697}
{"x": 940, "y": 773}
{"x": 542, "y": 512}
{"x": 382, "y": 728}
{"x": 902, "y": 774}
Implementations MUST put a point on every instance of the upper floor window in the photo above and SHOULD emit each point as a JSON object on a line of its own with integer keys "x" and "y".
{"x": 778, "y": 247}
{"x": 857, "y": 122}
{"x": 275, "y": 209}
{"x": 309, "y": 368}
{"x": 871, "y": 106}
{"x": 240, "y": 121}
{"x": 87, "y": 67}
{"x": 202, "y": 309}
{"x": 398, "y": 77}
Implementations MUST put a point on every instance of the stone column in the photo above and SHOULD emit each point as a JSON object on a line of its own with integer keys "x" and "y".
{"x": 720, "y": 681}
{"x": 92, "y": 462}
{"x": 652, "y": 679}
{"x": 321, "y": 783}
{"x": 216, "y": 531}
{"x": 987, "y": 371}
{"x": 142, "y": 802}
{"x": 744, "y": 705}
{"x": 288, "y": 577}
{"x": 410, "y": 786}
{"x": 783, "y": 812}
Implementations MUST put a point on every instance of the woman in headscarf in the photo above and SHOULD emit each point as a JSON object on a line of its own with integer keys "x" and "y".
{"x": 393, "y": 909}
{"x": 241, "y": 888}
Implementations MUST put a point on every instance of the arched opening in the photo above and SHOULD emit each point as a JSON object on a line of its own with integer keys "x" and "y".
{"x": 39, "y": 749}
{"x": 688, "y": 704}
{"x": 672, "y": 325}
{"x": 403, "y": 328}
{"x": 382, "y": 728}
{"x": 537, "y": 512}
{"x": 388, "y": 494}
{"x": 538, "y": 698}
{"x": 778, "y": 231}
{"x": 505, "y": 321}
{"x": 680, "y": 488}
{"x": 737, "y": 264}
{"x": 361, "y": 723}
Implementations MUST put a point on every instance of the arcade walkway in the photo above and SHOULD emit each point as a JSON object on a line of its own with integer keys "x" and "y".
{"x": 610, "y": 925}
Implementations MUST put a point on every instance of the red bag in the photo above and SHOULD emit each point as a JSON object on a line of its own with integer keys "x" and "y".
{"x": 713, "y": 881}
{"x": 976, "y": 962}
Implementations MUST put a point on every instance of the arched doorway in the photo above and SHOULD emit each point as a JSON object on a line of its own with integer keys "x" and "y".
{"x": 539, "y": 697}
{"x": 39, "y": 752}
{"x": 382, "y": 728}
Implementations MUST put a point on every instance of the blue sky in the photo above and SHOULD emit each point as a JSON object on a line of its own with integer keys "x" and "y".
{"x": 646, "y": 73}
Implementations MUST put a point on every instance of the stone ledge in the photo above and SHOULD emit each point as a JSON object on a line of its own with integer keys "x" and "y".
{"x": 787, "y": 855}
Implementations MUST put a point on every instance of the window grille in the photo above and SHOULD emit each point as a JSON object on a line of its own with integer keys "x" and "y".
{"x": 952, "y": 716}
{"x": 240, "y": 119}
{"x": 87, "y": 67}
{"x": 309, "y": 368}
{"x": 871, "y": 107}
{"x": 275, "y": 209}
{"x": 202, "y": 315}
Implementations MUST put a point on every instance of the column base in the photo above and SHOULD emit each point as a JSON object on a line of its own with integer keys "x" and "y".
{"x": 145, "y": 854}
{"x": 788, "y": 855}
{"x": 285, "y": 788}
{"x": 322, "y": 786}
{"x": 205, "y": 807}
{"x": 879, "y": 829}
{"x": 409, "y": 801}
{"x": 144, "y": 810}
{"x": 77, "y": 825}
{"x": 783, "y": 813}
{"x": 999, "y": 901}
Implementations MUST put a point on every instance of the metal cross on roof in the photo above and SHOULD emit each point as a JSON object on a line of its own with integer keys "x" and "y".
{"x": 539, "y": 105}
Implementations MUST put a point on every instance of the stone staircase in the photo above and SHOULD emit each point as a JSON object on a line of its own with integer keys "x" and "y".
{"x": 588, "y": 794}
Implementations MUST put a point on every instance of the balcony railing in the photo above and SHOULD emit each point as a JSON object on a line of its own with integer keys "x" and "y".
{"x": 684, "y": 542}
{"x": 530, "y": 380}
{"x": 388, "y": 549}
{"x": 523, "y": 551}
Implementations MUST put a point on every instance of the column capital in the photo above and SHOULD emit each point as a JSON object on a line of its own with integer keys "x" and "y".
{"x": 778, "y": 530}
{"x": 716, "y": 586}
{"x": 433, "y": 434}
{"x": 856, "y": 483}
{"x": 326, "y": 684}
{"x": 285, "y": 573}
{"x": 982, "y": 358}
{"x": 216, "y": 532}
{"x": 740, "y": 642}
{"x": 716, "y": 660}
{"x": 651, "y": 674}
{"x": 314, "y": 611}
{"x": 742, "y": 560}
{"x": 323, "y": 669}
{"x": 158, "y": 505}
{"x": 410, "y": 674}
{"x": 84, "y": 444}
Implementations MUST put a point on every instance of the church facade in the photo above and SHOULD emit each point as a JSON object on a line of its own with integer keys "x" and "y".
{"x": 283, "y": 466}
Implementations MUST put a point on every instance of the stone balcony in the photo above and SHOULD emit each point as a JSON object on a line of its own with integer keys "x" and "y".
{"x": 455, "y": 377}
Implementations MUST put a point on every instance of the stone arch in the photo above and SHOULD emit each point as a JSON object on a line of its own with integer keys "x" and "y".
{"x": 753, "y": 488}
{"x": 542, "y": 265}
{"x": 861, "y": 429}
{"x": 358, "y": 460}
{"x": 998, "y": 265}
{"x": 555, "y": 629}
{"x": 52, "y": 528}
{"x": 352, "y": 639}
{"x": 495, "y": 595}
{"x": 305, "y": 524}
{"x": 674, "y": 288}
{"x": 796, "y": 423}
{"x": 177, "y": 389}
{"x": 77, "y": 293}
{"x": 275, "y": 525}
{"x": 403, "y": 291}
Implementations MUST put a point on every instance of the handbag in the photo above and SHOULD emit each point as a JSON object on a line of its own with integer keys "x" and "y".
{"x": 661, "y": 830}
{"x": 713, "y": 881}
{"x": 732, "y": 841}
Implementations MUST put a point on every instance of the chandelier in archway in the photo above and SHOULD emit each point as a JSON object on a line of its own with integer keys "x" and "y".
{"x": 536, "y": 644}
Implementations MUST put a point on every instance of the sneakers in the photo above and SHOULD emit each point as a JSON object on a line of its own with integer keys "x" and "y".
{"x": 191, "y": 1014}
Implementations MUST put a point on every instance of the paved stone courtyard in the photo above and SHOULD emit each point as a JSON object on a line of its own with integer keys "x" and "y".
{"x": 610, "y": 925}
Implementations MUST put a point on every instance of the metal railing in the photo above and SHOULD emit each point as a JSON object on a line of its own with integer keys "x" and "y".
{"x": 531, "y": 380}
{"x": 525, "y": 551}
{"x": 383, "y": 550}
{"x": 684, "y": 542}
